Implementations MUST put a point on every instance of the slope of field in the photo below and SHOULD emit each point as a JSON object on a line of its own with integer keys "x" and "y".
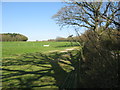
{"x": 11, "y": 49}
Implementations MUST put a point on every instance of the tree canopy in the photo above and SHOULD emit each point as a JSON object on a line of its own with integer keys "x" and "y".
{"x": 13, "y": 37}
{"x": 90, "y": 15}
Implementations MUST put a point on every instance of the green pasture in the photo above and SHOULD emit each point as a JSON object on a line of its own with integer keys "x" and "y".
{"x": 12, "y": 49}
{"x": 36, "y": 70}
{"x": 32, "y": 69}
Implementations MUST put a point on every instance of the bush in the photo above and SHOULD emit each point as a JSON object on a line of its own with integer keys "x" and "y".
{"x": 101, "y": 56}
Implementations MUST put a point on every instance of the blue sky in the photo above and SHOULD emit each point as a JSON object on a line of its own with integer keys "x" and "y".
{"x": 32, "y": 19}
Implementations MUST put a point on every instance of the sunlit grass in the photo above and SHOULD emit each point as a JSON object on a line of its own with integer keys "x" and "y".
{"x": 12, "y": 49}
{"x": 28, "y": 67}
{"x": 27, "y": 71}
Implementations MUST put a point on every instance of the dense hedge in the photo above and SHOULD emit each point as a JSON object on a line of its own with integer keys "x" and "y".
{"x": 101, "y": 53}
{"x": 13, "y": 37}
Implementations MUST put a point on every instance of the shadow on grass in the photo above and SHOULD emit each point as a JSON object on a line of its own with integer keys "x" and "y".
{"x": 69, "y": 45}
{"x": 34, "y": 71}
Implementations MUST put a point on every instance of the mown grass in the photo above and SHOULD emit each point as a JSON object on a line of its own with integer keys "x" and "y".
{"x": 12, "y": 49}
{"x": 33, "y": 70}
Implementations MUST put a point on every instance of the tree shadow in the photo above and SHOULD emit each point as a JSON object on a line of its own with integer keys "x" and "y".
{"x": 65, "y": 70}
{"x": 69, "y": 45}
{"x": 34, "y": 71}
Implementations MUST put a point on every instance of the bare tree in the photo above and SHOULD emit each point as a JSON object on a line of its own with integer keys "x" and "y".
{"x": 90, "y": 15}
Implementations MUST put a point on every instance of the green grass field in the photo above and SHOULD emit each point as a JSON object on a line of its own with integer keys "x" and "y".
{"x": 33, "y": 71}
{"x": 12, "y": 49}
{"x": 30, "y": 69}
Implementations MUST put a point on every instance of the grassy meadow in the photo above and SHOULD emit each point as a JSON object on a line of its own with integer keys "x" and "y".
{"x": 12, "y": 49}
{"x": 30, "y": 68}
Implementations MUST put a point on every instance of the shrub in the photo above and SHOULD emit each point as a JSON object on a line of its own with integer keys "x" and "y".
{"x": 101, "y": 56}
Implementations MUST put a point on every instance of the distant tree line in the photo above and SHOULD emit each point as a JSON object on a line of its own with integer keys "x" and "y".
{"x": 68, "y": 39}
{"x": 13, "y": 37}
